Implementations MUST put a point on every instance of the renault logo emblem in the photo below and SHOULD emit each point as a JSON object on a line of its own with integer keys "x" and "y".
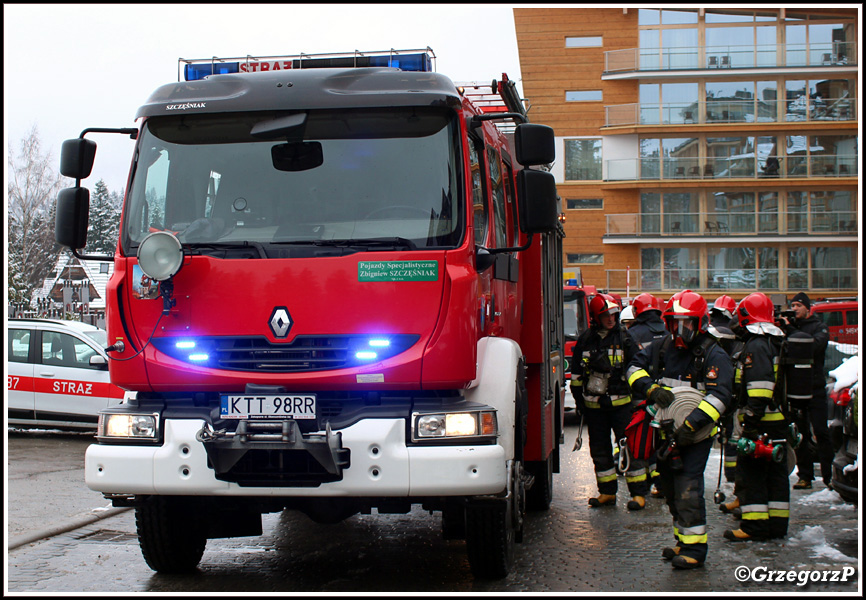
{"x": 280, "y": 322}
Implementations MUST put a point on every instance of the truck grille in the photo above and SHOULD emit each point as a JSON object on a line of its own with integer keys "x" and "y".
{"x": 304, "y": 353}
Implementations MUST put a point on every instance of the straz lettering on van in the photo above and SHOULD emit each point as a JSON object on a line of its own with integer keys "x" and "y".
{"x": 72, "y": 388}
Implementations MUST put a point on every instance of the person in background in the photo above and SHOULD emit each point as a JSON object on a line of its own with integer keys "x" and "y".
{"x": 722, "y": 324}
{"x": 598, "y": 383}
{"x": 813, "y": 419}
{"x": 626, "y": 317}
{"x": 689, "y": 356}
{"x": 763, "y": 492}
{"x": 648, "y": 326}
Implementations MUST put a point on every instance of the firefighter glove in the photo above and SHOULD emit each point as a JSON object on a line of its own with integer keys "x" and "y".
{"x": 661, "y": 397}
{"x": 685, "y": 435}
{"x": 750, "y": 433}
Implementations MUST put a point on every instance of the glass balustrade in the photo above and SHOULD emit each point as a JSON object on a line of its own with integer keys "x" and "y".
{"x": 731, "y": 57}
{"x": 673, "y": 279}
{"x": 747, "y": 165}
{"x": 732, "y": 224}
{"x": 724, "y": 110}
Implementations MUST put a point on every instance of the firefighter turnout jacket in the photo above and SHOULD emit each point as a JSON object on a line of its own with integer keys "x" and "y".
{"x": 704, "y": 366}
{"x": 598, "y": 372}
{"x": 764, "y": 489}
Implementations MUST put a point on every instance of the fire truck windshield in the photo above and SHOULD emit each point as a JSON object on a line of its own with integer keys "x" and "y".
{"x": 326, "y": 180}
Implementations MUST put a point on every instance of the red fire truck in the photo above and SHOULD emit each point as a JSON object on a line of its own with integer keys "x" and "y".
{"x": 337, "y": 287}
{"x": 575, "y": 313}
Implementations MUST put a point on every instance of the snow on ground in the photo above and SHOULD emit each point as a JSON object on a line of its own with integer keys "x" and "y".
{"x": 813, "y": 538}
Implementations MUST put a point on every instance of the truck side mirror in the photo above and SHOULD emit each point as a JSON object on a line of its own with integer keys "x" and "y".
{"x": 72, "y": 214}
{"x": 76, "y": 158}
{"x": 534, "y": 144}
{"x": 537, "y": 201}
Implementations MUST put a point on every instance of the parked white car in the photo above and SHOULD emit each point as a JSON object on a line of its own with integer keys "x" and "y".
{"x": 57, "y": 374}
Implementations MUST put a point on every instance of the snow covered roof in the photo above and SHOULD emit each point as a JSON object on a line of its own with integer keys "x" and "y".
{"x": 96, "y": 271}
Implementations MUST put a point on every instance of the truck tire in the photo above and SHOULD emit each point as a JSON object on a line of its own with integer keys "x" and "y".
{"x": 540, "y": 495}
{"x": 169, "y": 533}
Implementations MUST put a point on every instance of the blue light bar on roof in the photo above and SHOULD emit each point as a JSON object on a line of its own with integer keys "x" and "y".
{"x": 420, "y": 61}
{"x": 202, "y": 70}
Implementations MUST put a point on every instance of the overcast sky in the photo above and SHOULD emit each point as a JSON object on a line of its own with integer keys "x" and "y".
{"x": 68, "y": 67}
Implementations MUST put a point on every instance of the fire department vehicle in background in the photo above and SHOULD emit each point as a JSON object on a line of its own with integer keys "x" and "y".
{"x": 575, "y": 318}
{"x": 337, "y": 288}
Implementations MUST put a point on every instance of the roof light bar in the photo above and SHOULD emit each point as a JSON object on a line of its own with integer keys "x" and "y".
{"x": 405, "y": 60}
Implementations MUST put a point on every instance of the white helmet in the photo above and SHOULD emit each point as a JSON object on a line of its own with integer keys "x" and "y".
{"x": 627, "y": 314}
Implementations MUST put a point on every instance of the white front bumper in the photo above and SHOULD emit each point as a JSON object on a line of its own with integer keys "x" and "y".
{"x": 381, "y": 465}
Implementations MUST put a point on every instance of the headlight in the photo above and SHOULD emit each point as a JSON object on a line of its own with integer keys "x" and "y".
{"x": 454, "y": 425}
{"x": 119, "y": 427}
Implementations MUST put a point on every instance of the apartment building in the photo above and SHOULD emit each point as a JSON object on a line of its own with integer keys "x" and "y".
{"x": 713, "y": 149}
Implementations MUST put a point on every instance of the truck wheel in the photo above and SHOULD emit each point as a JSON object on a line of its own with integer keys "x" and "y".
{"x": 540, "y": 495}
{"x": 171, "y": 539}
{"x": 492, "y": 529}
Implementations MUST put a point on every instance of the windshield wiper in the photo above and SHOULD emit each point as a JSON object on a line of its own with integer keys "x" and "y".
{"x": 386, "y": 242}
{"x": 199, "y": 246}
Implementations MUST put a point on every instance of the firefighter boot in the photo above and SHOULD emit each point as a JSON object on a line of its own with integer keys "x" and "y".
{"x": 737, "y": 535}
{"x": 685, "y": 562}
{"x": 669, "y": 553}
{"x": 729, "y": 507}
{"x": 603, "y": 500}
{"x": 636, "y": 503}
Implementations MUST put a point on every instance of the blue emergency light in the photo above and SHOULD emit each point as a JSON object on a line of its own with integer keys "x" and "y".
{"x": 413, "y": 61}
{"x": 202, "y": 70}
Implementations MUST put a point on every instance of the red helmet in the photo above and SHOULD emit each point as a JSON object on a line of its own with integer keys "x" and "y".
{"x": 726, "y": 305}
{"x": 602, "y": 304}
{"x": 616, "y": 297}
{"x": 755, "y": 308}
{"x": 644, "y": 302}
{"x": 685, "y": 316}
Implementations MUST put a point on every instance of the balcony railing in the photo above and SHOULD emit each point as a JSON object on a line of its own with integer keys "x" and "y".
{"x": 671, "y": 279}
{"x": 743, "y": 166}
{"x": 721, "y": 224}
{"x": 723, "y": 110}
{"x": 731, "y": 57}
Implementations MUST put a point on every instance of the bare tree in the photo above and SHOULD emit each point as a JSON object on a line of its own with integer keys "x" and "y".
{"x": 33, "y": 187}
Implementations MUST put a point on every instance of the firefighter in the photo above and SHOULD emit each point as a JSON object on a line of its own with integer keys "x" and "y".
{"x": 648, "y": 326}
{"x": 814, "y": 417}
{"x": 763, "y": 491}
{"x": 598, "y": 381}
{"x": 688, "y": 356}
{"x": 722, "y": 323}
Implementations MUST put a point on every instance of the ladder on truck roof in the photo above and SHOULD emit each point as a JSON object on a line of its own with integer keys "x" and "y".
{"x": 496, "y": 97}
{"x": 420, "y": 59}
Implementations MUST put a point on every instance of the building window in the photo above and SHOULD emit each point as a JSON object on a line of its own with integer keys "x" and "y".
{"x": 585, "y": 259}
{"x": 583, "y": 159}
{"x": 583, "y": 96}
{"x": 584, "y": 203}
{"x": 103, "y": 268}
{"x": 589, "y": 41}
{"x": 832, "y": 268}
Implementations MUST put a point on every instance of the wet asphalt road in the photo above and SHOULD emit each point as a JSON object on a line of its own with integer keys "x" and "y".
{"x": 570, "y": 548}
